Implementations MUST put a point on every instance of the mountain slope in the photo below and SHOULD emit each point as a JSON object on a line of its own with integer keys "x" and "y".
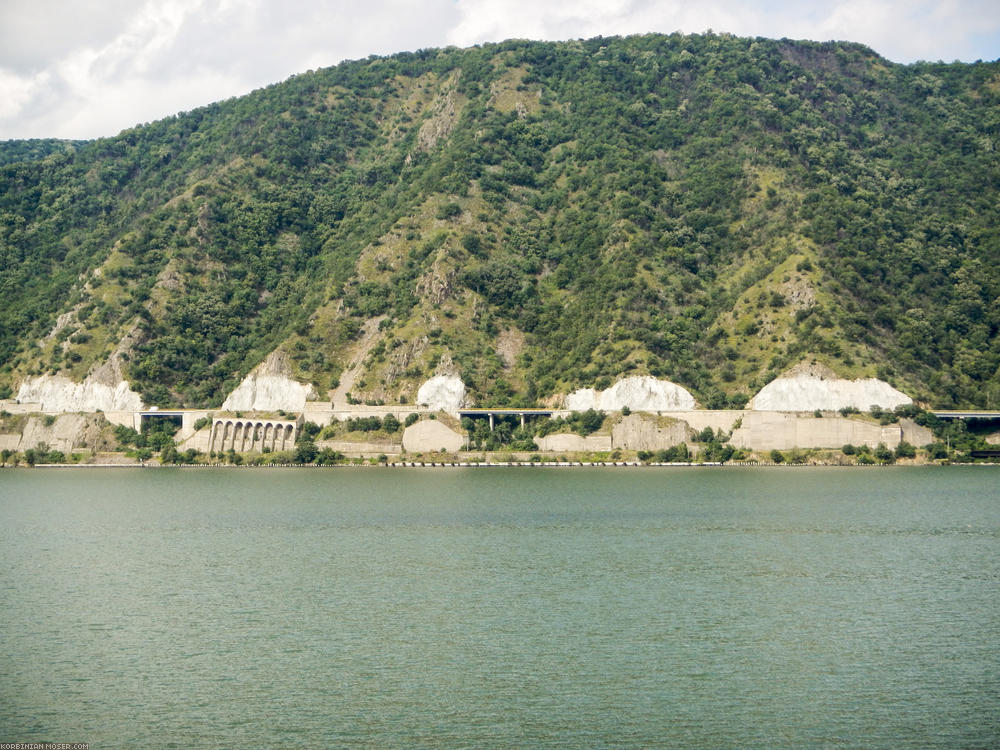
{"x": 533, "y": 216}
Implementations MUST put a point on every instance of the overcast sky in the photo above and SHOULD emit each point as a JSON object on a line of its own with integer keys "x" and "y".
{"x": 90, "y": 68}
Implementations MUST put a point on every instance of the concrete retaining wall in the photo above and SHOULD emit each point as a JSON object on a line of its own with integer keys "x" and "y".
{"x": 720, "y": 419}
{"x": 567, "y": 442}
{"x": 349, "y": 446}
{"x": 784, "y": 431}
{"x": 644, "y": 432}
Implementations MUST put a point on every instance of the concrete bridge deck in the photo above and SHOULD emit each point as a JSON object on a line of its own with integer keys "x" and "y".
{"x": 967, "y": 414}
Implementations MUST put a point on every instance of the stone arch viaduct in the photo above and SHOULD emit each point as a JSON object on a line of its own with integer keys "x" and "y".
{"x": 252, "y": 434}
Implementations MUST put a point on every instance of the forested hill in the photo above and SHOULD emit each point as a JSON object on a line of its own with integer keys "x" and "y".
{"x": 536, "y": 217}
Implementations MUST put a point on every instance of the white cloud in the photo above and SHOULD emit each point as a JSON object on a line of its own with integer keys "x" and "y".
{"x": 81, "y": 70}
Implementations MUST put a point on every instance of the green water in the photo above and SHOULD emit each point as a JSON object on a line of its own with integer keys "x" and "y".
{"x": 481, "y": 608}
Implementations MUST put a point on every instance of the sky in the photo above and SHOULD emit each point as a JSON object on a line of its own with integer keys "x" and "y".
{"x": 91, "y": 68}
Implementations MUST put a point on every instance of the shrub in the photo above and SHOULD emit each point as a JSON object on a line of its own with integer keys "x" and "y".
{"x": 883, "y": 454}
{"x": 777, "y": 456}
{"x": 309, "y": 431}
{"x": 449, "y": 211}
{"x": 305, "y": 452}
{"x": 937, "y": 450}
{"x": 589, "y": 421}
{"x": 328, "y": 456}
{"x": 705, "y": 436}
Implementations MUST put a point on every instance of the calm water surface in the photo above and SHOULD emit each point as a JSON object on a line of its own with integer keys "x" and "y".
{"x": 480, "y": 608}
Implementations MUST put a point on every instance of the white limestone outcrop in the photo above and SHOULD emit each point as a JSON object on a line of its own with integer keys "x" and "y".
{"x": 442, "y": 393}
{"x": 268, "y": 387}
{"x": 808, "y": 391}
{"x": 638, "y": 393}
{"x": 57, "y": 393}
{"x": 582, "y": 399}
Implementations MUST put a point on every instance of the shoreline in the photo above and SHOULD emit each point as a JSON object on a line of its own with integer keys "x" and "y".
{"x": 501, "y": 465}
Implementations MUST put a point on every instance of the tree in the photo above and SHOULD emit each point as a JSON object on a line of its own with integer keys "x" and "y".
{"x": 883, "y": 454}
{"x": 590, "y": 421}
{"x": 305, "y": 452}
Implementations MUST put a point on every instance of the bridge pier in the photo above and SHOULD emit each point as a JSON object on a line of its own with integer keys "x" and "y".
{"x": 492, "y": 414}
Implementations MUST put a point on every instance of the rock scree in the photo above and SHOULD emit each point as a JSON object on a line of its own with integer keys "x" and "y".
{"x": 430, "y": 435}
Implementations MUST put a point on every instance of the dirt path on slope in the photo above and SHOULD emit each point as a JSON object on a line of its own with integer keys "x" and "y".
{"x": 369, "y": 337}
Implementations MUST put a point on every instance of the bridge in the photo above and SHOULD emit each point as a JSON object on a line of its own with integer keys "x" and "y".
{"x": 493, "y": 413}
{"x": 187, "y": 417}
{"x": 967, "y": 414}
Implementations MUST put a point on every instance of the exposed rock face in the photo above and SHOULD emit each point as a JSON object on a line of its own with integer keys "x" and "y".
{"x": 67, "y": 432}
{"x": 638, "y": 393}
{"x": 268, "y": 387}
{"x": 443, "y": 393}
{"x": 642, "y": 433}
{"x": 431, "y": 435}
{"x": 57, "y": 393}
{"x": 582, "y": 399}
{"x": 810, "y": 389}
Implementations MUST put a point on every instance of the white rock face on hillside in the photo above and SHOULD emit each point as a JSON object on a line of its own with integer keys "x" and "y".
{"x": 442, "y": 393}
{"x": 268, "y": 387}
{"x": 638, "y": 393}
{"x": 646, "y": 393}
{"x": 582, "y": 399}
{"x": 58, "y": 393}
{"x": 268, "y": 393}
{"x": 810, "y": 391}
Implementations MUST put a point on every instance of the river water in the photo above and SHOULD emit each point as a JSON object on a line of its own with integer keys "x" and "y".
{"x": 483, "y": 608}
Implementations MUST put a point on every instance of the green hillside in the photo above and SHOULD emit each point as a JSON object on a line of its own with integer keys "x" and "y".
{"x": 545, "y": 216}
